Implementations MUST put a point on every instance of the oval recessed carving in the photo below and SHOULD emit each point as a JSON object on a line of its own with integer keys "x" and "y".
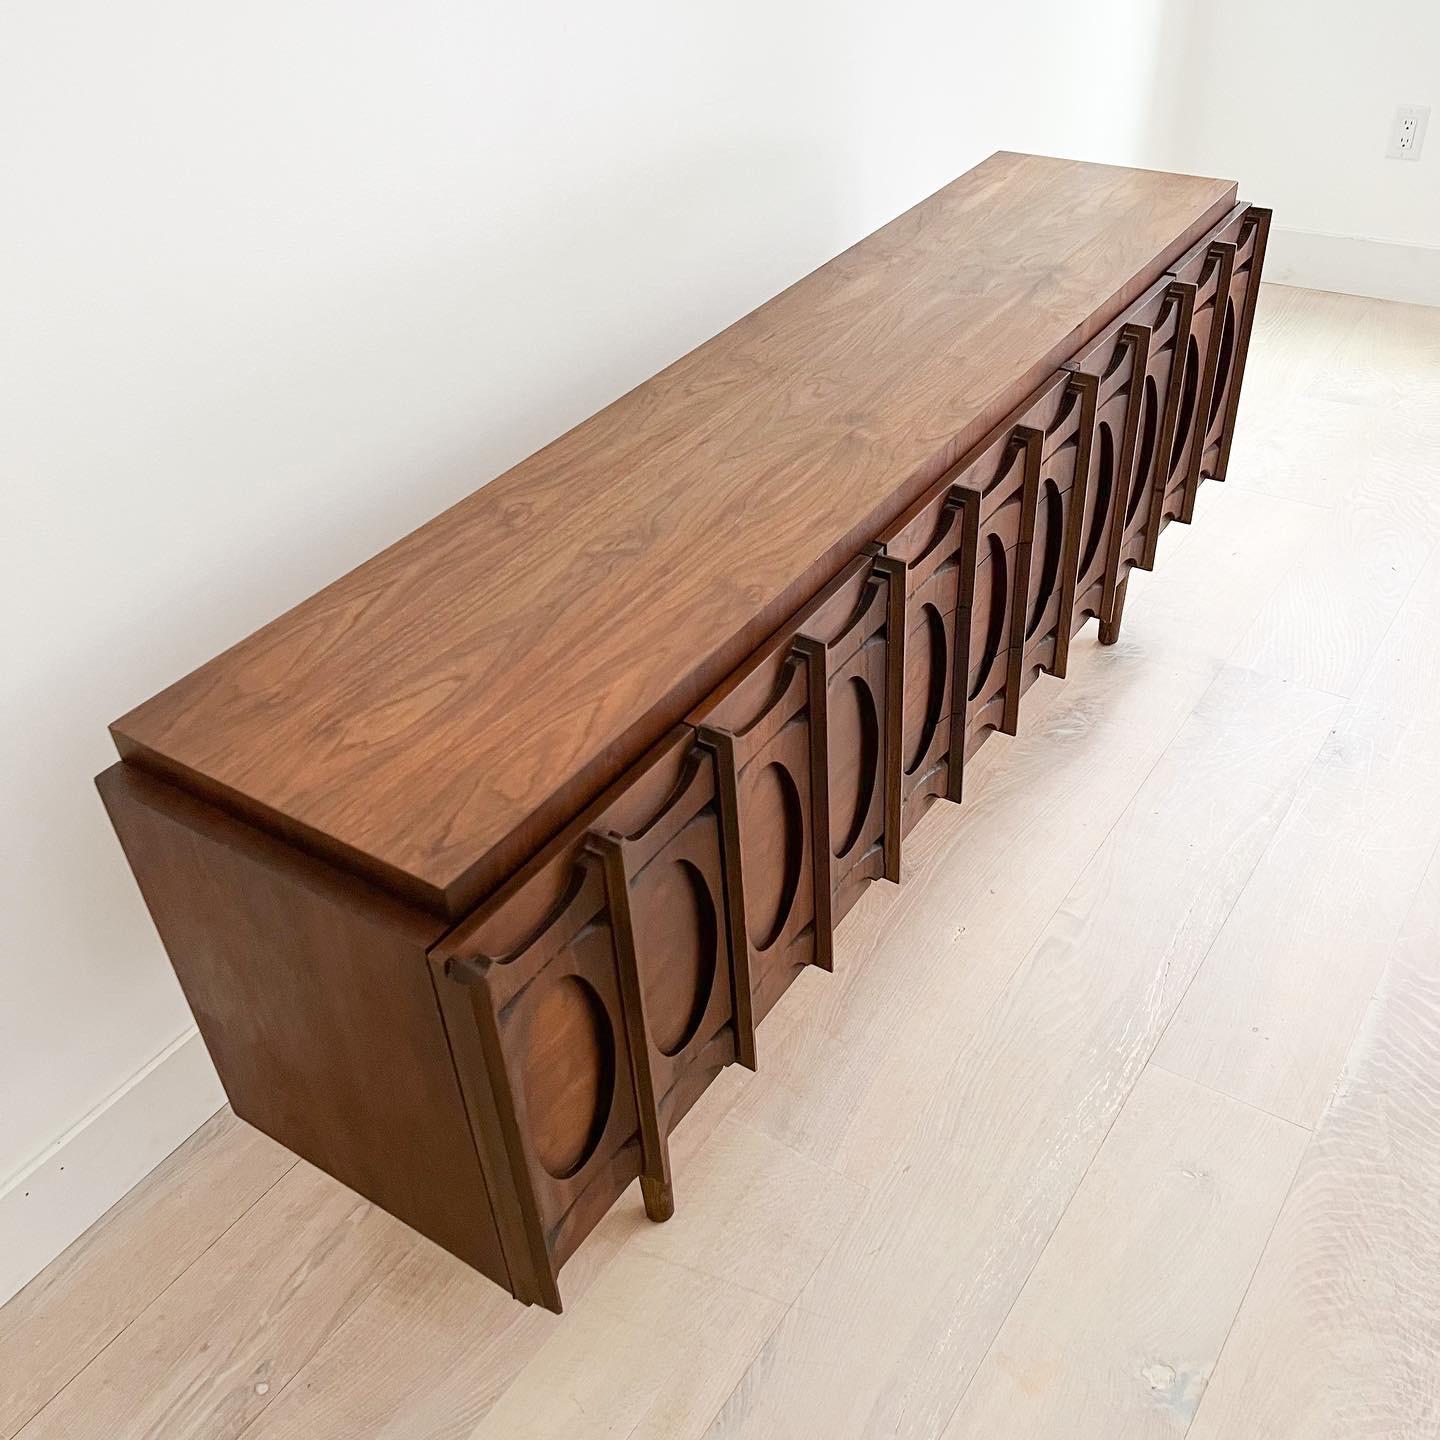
{"x": 995, "y": 613}
{"x": 1104, "y": 486}
{"x": 1053, "y": 509}
{"x": 1149, "y": 433}
{"x": 1189, "y": 386}
{"x": 1222, "y": 370}
{"x": 568, "y": 1074}
{"x": 774, "y": 840}
{"x": 677, "y": 937}
{"x": 927, "y": 666}
{"x": 854, "y": 762}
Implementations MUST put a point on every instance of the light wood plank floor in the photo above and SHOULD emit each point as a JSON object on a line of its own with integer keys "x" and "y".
{"x": 1121, "y": 1119}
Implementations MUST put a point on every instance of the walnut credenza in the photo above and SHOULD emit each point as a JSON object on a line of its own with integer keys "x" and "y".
{"x": 478, "y": 866}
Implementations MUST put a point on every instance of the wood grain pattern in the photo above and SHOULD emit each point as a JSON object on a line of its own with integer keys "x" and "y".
{"x": 1325, "y": 904}
{"x": 315, "y": 1001}
{"x": 58, "y": 1323}
{"x": 432, "y": 717}
{"x": 1121, "y": 1322}
{"x": 1337, "y": 1337}
{"x": 238, "y": 1321}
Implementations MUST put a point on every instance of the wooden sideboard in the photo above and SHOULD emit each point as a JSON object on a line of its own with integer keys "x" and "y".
{"x": 478, "y": 866}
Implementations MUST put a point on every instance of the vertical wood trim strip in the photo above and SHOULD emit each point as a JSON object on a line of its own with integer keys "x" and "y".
{"x": 1186, "y": 293}
{"x": 727, "y": 790}
{"x": 1033, "y": 443}
{"x": 655, "y": 1181}
{"x": 532, "y": 1272}
{"x": 1140, "y": 337}
{"x": 817, "y": 681}
{"x": 967, "y": 501}
{"x": 1260, "y": 217}
{"x": 897, "y": 620}
{"x": 1224, "y": 250}
{"x": 1088, "y": 387}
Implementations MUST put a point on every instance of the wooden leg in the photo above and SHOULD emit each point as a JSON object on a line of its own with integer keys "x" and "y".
{"x": 659, "y": 1195}
{"x": 1110, "y": 627}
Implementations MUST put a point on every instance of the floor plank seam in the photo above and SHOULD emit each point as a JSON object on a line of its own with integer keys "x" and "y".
{"x": 359, "y": 1298}
{"x": 1154, "y": 1064}
{"x": 152, "y": 1302}
{"x": 1250, "y": 1281}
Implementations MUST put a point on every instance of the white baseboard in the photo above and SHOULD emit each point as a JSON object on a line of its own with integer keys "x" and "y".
{"x": 1354, "y": 265}
{"x": 58, "y": 1196}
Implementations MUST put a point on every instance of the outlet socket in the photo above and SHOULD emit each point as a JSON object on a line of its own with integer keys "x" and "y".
{"x": 1407, "y": 132}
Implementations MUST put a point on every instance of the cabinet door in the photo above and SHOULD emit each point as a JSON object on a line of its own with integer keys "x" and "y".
{"x": 1234, "y": 342}
{"x": 1167, "y": 324}
{"x": 847, "y": 633}
{"x": 936, "y": 542}
{"x": 1112, "y": 509}
{"x": 1065, "y": 415}
{"x": 591, "y": 1001}
{"x": 1208, "y": 267}
{"x": 807, "y": 735}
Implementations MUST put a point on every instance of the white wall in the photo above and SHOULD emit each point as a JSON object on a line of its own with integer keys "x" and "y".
{"x": 281, "y": 280}
{"x": 1296, "y": 101}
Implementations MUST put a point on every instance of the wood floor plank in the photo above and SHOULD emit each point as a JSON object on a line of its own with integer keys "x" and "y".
{"x": 468, "y": 1339}
{"x": 657, "y": 1343}
{"x": 918, "y": 967}
{"x": 1211, "y": 594}
{"x": 1297, "y": 335}
{"x": 1273, "y": 1010}
{"x": 653, "y": 1349}
{"x": 915, "y": 978}
{"x": 1339, "y": 1337}
{"x": 205, "y": 1355}
{"x": 885, "y": 1337}
{"x": 1051, "y": 794}
{"x": 66, "y": 1316}
{"x": 1361, "y": 434}
{"x": 1122, "y": 1320}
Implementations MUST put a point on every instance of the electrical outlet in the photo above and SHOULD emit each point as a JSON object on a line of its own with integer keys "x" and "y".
{"x": 1407, "y": 132}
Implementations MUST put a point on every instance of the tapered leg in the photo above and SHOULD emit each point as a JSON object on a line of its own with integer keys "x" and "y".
{"x": 1110, "y": 628}
{"x": 659, "y": 1196}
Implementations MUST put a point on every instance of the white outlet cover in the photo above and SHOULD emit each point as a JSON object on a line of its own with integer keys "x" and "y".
{"x": 1407, "y": 132}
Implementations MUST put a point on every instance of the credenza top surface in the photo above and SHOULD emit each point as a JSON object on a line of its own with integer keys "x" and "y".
{"x": 431, "y": 717}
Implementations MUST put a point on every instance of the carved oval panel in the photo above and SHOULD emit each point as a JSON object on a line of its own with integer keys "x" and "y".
{"x": 1104, "y": 487}
{"x": 1189, "y": 388}
{"x": 1149, "y": 434}
{"x": 1050, "y": 535}
{"x": 677, "y": 936}
{"x": 927, "y": 666}
{"x": 773, "y": 836}
{"x": 1222, "y": 368}
{"x": 992, "y": 598}
{"x": 568, "y": 1074}
{"x": 854, "y": 762}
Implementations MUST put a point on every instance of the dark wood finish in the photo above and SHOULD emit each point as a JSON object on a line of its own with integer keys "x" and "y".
{"x": 314, "y": 999}
{"x": 1208, "y": 267}
{"x": 954, "y": 515}
{"x": 596, "y": 999}
{"x": 1165, "y": 317}
{"x": 1234, "y": 344}
{"x": 429, "y": 719}
{"x": 1060, "y": 514}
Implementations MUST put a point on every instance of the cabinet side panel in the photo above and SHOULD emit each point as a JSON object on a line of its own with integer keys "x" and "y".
{"x": 315, "y": 1000}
